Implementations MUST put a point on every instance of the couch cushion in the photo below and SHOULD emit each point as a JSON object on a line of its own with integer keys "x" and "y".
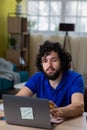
{"x": 23, "y": 76}
{"x": 5, "y": 85}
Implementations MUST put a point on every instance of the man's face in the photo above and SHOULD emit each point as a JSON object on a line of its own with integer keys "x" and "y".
{"x": 51, "y": 65}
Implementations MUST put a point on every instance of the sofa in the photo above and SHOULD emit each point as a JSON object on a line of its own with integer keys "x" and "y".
{"x": 7, "y": 85}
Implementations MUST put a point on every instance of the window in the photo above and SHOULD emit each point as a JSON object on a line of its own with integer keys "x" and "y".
{"x": 45, "y": 15}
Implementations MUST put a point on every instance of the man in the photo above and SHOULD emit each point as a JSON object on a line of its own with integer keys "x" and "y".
{"x": 55, "y": 81}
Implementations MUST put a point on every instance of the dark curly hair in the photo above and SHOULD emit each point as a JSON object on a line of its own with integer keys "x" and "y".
{"x": 46, "y": 49}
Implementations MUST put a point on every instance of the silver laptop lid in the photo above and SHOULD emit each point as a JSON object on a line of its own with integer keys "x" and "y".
{"x": 27, "y": 111}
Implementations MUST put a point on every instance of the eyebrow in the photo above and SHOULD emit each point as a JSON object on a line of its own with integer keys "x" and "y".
{"x": 44, "y": 58}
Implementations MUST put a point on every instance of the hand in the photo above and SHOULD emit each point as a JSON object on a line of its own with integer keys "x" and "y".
{"x": 53, "y": 109}
{"x": 52, "y": 104}
{"x": 54, "y": 112}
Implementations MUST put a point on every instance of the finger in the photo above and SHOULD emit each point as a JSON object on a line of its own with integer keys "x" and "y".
{"x": 52, "y": 104}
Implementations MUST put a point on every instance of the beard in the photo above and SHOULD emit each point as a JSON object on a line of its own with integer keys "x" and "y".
{"x": 54, "y": 76}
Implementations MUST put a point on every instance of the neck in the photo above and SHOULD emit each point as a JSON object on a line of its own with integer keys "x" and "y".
{"x": 55, "y": 83}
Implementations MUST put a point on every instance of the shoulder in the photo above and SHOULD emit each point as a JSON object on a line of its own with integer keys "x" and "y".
{"x": 37, "y": 76}
{"x": 34, "y": 80}
{"x": 77, "y": 82}
{"x": 72, "y": 74}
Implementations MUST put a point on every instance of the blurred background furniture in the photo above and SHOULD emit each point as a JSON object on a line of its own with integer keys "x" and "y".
{"x": 19, "y": 38}
{"x": 7, "y": 86}
{"x": 85, "y": 99}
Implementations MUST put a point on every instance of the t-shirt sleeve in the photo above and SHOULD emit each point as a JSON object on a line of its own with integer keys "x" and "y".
{"x": 32, "y": 83}
{"x": 78, "y": 85}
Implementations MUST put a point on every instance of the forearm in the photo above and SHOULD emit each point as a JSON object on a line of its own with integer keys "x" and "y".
{"x": 71, "y": 110}
{"x": 24, "y": 92}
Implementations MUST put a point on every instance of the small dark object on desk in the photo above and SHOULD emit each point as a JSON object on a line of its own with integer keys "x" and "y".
{"x": 2, "y": 118}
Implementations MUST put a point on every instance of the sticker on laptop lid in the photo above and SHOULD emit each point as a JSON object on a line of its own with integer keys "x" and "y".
{"x": 26, "y": 113}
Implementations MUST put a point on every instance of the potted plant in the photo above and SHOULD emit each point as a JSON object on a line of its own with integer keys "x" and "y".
{"x": 12, "y": 42}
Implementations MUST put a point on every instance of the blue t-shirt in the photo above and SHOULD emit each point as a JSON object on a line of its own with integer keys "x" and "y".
{"x": 71, "y": 82}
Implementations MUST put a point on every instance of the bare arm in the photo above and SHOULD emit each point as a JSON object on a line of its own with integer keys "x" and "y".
{"x": 76, "y": 107}
{"x": 25, "y": 92}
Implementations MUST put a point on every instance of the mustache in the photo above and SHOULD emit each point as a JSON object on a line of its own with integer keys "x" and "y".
{"x": 50, "y": 68}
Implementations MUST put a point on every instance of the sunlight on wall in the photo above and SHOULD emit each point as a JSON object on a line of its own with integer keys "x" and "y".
{"x": 6, "y": 6}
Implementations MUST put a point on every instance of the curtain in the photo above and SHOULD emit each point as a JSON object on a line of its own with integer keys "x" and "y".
{"x": 75, "y": 45}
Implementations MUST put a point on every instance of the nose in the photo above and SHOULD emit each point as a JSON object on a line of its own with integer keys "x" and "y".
{"x": 49, "y": 63}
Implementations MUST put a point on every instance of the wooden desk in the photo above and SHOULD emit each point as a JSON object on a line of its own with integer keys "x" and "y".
{"x": 79, "y": 123}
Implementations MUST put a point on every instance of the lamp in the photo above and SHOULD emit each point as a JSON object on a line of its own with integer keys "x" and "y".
{"x": 66, "y": 27}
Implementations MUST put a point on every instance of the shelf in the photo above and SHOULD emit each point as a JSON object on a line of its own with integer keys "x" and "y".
{"x": 17, "y": 24}
{"x": 13, "y": 56}
{"x": 18, "y": 53}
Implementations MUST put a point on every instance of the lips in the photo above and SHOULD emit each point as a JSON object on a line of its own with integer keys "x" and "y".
{"x": 50, "y": 70}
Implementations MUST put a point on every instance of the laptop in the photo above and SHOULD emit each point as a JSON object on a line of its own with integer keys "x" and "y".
{"x": 27, "y": 111}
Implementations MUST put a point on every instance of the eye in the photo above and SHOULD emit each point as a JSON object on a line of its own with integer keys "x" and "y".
{"x": 44, "y": 60}
{"x": 54, "y": 60}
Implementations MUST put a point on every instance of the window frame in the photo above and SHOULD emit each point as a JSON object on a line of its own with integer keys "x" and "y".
{"x": 63, "y": 16}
